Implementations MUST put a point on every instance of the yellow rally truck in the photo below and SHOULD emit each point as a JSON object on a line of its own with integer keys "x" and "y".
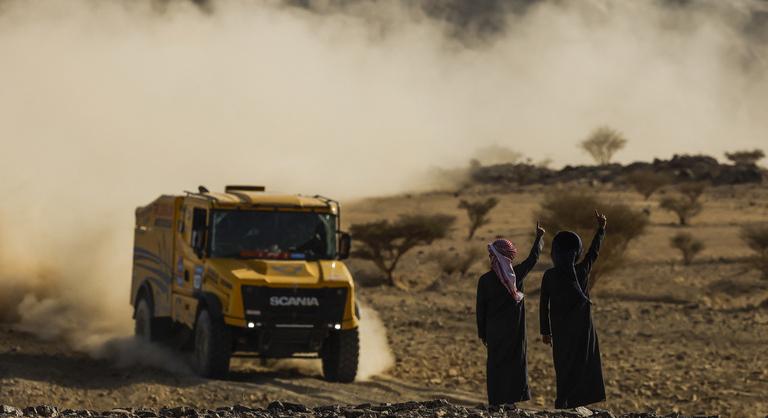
{"x": 246, "y": 273}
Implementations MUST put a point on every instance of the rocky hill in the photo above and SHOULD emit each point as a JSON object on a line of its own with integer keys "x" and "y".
{"x": 679, "y": 169}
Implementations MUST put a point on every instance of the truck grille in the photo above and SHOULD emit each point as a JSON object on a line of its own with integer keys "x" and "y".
{"x": 294, "y": 306}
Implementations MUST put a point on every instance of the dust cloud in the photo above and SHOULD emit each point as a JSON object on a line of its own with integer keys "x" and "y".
{"x": 375, "y": 355}
{"x": 106, "y": 104}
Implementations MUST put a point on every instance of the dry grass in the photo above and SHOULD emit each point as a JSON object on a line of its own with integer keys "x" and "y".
{"x": 756, "y": 237}
{"x": 459, "y": 262}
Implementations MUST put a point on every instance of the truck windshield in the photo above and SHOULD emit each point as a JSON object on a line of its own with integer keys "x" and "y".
{"x": 277, "y": 235}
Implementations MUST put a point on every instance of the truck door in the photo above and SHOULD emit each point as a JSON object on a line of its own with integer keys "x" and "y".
{"x": 189, "y": 268}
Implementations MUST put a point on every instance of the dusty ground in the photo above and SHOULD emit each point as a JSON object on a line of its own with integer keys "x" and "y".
{"x": 673, "y": 337}
{"x": 33, "y": 372}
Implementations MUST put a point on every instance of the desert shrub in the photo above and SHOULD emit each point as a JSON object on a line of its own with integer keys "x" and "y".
{"x": 477, "y": 212}
{"x": 686, "y": 204}
{"x": 575, "y": 211}
{"x": 496, "y": 154}
{"x": 602, "y": 143}
{"x": 384, "y": 242}
{"x": 647, "y": 182}
{"x": 688, "y": 245}
{"x": 745, "y": 157}
{"x": 756, "y": 237}
{"x": 459, "y": 262}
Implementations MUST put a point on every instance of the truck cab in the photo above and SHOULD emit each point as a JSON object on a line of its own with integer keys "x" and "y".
{"x": 245, "y": 272}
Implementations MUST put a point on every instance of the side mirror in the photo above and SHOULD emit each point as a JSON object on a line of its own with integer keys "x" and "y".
{"x": 345, "y": 246}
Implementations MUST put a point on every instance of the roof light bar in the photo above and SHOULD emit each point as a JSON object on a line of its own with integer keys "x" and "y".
{"x": 241, "y": 188}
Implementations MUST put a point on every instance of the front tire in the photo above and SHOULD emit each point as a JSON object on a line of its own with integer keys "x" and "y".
{"x": 340, "y": 354}
{"x": 143, "y": 321}
{"x": 212, "y": 346}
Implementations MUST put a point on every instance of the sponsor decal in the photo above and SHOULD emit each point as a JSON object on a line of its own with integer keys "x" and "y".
{"x": 294, "y": 301}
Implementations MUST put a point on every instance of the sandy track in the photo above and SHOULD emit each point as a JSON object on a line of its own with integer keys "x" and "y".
{"x": 32, "y": 371}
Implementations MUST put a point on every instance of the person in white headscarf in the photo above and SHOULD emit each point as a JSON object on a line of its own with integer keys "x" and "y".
{"x": 501, "y": 320}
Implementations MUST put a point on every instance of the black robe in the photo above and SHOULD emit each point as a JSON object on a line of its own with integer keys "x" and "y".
{"x": 565, "y": 314}
{"x": 501, "y": 325}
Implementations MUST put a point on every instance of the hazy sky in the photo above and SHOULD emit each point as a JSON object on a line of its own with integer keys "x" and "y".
{"x": 99, "y": 95}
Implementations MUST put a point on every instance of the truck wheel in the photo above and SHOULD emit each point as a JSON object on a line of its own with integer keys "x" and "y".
{"x": 212, "y": 346}
{"x": 340, "y": 353}
{"x": 143, "y": 321}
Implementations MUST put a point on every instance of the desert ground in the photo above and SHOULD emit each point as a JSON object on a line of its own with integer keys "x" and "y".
{"x": 674, "y": 338}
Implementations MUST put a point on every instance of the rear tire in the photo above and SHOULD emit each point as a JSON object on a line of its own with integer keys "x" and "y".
{"x": 212, "y": 346}
{"x": 340, "y": 354}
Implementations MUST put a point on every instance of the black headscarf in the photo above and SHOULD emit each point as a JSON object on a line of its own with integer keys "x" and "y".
{"x": 566, "y": 250}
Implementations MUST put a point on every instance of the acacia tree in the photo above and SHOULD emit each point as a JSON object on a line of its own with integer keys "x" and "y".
{"x": 745, "y": 157}
{"x": 683, "y": 207}
{"x": 384, "y": 242}
{"x": 602, "y": 143}
{"x": 688, "y": 245}
{"x": 575, "y": 211}
{"x": 686, "y": 205}
{"x": 477, "y": 212}
{"x": 692, "y": 190}
{"x": 647, "y": 182}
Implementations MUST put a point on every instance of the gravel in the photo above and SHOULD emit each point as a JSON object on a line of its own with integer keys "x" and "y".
{"x": 433, "y": 409}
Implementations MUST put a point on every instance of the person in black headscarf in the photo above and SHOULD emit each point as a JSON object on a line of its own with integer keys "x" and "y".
{"x": 501, "y": 321}
{"x": 566, "y": 320}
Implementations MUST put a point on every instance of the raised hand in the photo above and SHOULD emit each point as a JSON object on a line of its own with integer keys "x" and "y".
{"x": 601, "y": 219}
{"x": 539, "y": 230}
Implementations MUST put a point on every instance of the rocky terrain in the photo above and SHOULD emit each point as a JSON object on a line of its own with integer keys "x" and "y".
{"x": 437, "y": 408}
{"x": 692, "y": 339}
{"x": 675, "y": 339}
